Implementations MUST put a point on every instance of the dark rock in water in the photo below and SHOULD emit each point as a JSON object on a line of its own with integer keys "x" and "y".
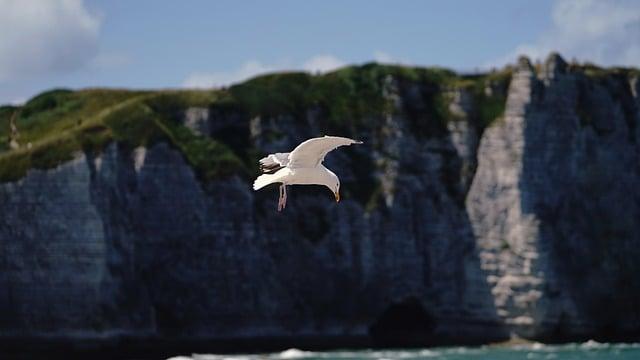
{"x": 454, "y": 232}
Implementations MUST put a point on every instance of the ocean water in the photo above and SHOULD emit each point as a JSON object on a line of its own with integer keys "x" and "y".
{"x": 587, "y": 350}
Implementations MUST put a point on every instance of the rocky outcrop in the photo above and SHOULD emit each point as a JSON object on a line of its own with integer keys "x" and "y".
{"x": 554, "y": 206}
{"x": 525, "y": 227}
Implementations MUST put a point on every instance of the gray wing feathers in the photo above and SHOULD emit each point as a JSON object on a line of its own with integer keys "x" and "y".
{"x": 310, "y": 153}
{"x": 274, "y": 162}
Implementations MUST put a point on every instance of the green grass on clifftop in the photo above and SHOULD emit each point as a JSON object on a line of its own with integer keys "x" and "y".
{"x": 348, "y": 96}
{"x": 58, "y": 124}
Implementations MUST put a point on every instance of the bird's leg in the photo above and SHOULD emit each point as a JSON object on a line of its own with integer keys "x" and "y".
{"x": 280, "y": 198}
{"x": 284, "y": 191}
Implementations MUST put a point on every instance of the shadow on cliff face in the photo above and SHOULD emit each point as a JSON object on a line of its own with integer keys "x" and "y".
{"x": 579, "y": 180}
{"x": 314, "y": 221}
{"x": 217, "y": 260}
{"x": 362, "y": 252}
{"x": 405, "y": 323}
{"x": 230, "y": 125}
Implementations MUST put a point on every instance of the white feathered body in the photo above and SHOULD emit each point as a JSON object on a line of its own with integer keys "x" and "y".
{"x": 302, "y": 166}
{"x": 318, "y": 175}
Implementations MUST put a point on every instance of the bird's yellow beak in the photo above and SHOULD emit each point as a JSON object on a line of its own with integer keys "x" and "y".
{"x": 337, "y": 196}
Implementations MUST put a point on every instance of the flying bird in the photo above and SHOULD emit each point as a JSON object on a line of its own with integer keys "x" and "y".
{"x": 302, "y": 166}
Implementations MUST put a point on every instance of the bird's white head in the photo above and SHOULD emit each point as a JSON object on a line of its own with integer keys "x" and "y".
{"x": 333, "y": 183}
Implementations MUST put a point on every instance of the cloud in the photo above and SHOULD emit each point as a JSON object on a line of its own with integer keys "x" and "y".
{"x": 211, "y": 79}
{"x": 604, "y": 32}
{"x": 18, "y": 101}
{"x": 322, "y": 64}
{"x": 316, "y": 64}
{"x": 45, "y": 36}
{"x": 383, "y": 57}
{"x": 203, "y": 79}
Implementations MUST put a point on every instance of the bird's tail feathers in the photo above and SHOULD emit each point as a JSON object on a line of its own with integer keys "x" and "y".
{"x": 264, "y": 180}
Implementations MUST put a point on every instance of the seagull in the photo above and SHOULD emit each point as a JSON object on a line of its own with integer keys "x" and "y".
{"x": 302, "y": 166}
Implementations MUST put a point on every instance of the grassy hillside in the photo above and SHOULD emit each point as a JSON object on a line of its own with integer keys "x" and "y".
{"x": 57, "y": 124}
{"x": 60, "y": 123}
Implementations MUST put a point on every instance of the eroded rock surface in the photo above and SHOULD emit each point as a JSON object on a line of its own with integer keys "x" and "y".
{"x": 528, "y": 226}
{"x": 554, "y": 204}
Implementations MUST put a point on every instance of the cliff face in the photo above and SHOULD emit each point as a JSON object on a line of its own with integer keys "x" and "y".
{"x": 555, "y": 204}
{"x": 447, "y": 232}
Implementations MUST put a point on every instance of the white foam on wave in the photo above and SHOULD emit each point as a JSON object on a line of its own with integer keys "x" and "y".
{"x": 388, "y": 354}
{"x": 220, "y": 357}
{"x": 532, "y": 350}
{"x": 399, "y": 354}
{"x": 344, "y": 354}
{"x": 428, "y": 353}
{"x": 587, "y": 345}
{"x": 592, "y": 344}
{"x": 294, "y": 354}
{"x": 462, "y": 350}
{"x": 538, "y": 346}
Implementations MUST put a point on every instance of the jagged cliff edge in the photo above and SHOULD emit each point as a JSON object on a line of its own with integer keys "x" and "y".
{"x": 527, "y": 227}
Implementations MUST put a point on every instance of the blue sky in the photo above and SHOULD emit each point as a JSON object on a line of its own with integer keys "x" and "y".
{"x": 198, "y": 43}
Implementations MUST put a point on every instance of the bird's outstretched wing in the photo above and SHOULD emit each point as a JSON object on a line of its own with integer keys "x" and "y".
{"x": 274, "y": 162}
{"x": 310, "y": 153}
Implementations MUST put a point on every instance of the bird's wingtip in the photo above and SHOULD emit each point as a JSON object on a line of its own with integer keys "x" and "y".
{"x": 358, "y": 142}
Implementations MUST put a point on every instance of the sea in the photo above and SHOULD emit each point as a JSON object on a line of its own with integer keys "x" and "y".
{"x": 574, "y": 351}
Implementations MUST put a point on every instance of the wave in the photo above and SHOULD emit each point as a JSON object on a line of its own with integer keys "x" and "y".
{"x": 592, "y": 344}
{"x": 532, "y": 350}
{"x": 294, "y": 354}
{"x": 387, "y": 354}
{"x": 587, "y": 345}
{"x": 215, "y": 357}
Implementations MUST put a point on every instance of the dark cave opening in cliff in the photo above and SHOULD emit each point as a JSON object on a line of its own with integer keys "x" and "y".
{"x": 405, "y": 323}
